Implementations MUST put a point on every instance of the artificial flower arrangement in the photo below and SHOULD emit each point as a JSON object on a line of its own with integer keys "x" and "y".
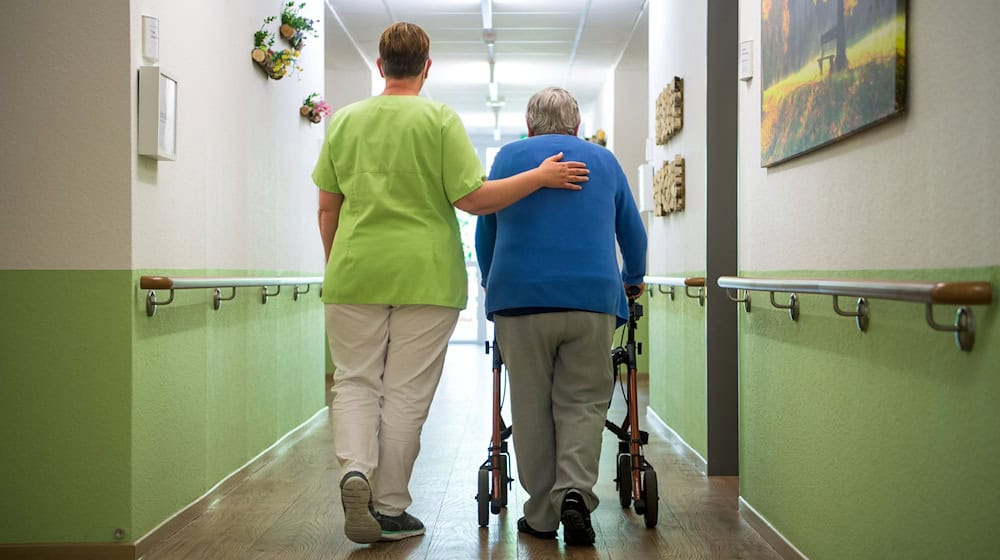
{"x": 276, "y": 64}
{"x": 315, "y": 108}
{"x": 295, "y": 27}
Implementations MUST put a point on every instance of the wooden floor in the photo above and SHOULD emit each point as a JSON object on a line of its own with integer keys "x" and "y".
{"x": 290, "y": 508}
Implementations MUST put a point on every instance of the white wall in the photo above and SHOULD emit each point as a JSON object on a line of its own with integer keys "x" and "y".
{"x": 628, "y": 138}
{"x": 677, "y": 240}
{"x": 64, "y": 146}
{"x": 600, "y": 114}
{"x": 239, "y": 195}
{"x": 348, "y": 77}
{"x": 919, "y": 191}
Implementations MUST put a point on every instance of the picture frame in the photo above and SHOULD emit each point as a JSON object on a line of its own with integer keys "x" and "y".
{"x": 157, "y": 119}
{"x": 829, "y": 70}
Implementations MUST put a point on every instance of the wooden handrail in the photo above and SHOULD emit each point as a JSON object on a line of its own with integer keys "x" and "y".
{"x": 153, "y": 283}
{"x": 678, "y": 282}
{"x": 928, "y": 293}
{"x": 695, "y": 282}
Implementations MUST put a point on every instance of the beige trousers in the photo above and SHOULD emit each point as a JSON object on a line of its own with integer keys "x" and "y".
{"x": 389, "y": 361}
{"x": 561, "y": 381}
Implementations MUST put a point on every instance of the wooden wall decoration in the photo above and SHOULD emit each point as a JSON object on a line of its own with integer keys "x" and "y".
{"x": 670, "y": 111}
{"x": 668, "y": 187}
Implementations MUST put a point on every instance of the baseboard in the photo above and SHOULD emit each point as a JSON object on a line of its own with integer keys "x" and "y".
{"x": 196, "y": 508}
{"x": 662, "y": 426}
{"x": 67, "y": 551}
{"x": 778, "y": 542}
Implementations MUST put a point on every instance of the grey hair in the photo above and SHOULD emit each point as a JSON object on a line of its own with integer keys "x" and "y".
{"x": 553, "y": 111}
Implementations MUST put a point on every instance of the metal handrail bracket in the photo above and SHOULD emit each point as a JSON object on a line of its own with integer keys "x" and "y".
{"x": 296, "y": 292}
{"x": 696, "y": 282}
{"x": 745, "y": 300}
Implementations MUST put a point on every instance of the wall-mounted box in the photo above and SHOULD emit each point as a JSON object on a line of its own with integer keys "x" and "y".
{"x": 157, "y": 114}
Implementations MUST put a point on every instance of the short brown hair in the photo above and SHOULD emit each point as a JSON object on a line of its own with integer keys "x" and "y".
{"x": 404, "y": 49}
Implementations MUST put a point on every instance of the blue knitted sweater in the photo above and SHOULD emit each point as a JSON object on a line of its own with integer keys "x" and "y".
{"x": 556, "y": 248}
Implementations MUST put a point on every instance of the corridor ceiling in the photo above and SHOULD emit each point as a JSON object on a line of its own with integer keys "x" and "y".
{"x": 573, "y": 44}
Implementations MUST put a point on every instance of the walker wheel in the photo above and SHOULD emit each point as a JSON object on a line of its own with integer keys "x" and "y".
{"x": 483, "y": 496}
{"x": 650, "y": 495}
{"x": 624, "y": 480}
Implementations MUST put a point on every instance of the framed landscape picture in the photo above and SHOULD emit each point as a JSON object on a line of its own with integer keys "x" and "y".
{"x": 829, "y": 69}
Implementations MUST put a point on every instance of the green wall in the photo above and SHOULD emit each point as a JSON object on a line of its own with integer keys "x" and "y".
{"x": 873, "y": 445}
{"x": 642, "y": 335}
{"x": 676, "y": 350}
{"x": 65, "y": 405}
{"x": 119, "y": 420}
{"x": 212, "y": 389}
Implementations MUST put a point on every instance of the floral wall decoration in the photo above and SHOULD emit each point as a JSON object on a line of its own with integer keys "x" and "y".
{"x": 600, "y": 137}
{"x": 315, "y": 108}
{"x": 294, "y": 29}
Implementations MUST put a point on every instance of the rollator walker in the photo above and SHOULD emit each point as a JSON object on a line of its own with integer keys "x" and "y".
{"x": 635, "y": 478}
{"x": 494, "y": 478}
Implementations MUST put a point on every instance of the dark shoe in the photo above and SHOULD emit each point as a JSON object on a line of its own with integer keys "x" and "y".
{"x": 399, "y": 527}
{"x": 360, "y": 524}
{"x": 523, "y": 527}
{"x": 577, "y": 530}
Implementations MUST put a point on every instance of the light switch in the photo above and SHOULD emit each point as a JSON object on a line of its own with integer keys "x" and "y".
{"x": 746, "y": 61}
{"x": 150, "y": 38}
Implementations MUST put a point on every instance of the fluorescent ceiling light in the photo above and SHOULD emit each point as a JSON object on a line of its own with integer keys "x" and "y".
{"x": 487, "y": 14}
{"x": 485, "y": 119}
{"x": 458, "y": 73}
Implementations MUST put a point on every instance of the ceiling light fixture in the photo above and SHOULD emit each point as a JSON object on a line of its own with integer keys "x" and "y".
{"x": 487, "y": 14}
{"x": 496, "y": 121}
{"x": 490, "y": 38}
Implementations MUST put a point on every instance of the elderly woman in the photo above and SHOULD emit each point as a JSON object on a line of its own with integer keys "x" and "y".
{"x": 389, "y": 173}
{"x": 556, "y": 295}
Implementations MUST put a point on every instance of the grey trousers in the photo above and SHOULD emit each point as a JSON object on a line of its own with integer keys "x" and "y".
{"x": 561, "y": 380}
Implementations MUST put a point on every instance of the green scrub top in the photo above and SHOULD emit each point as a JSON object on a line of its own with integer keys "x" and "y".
{"x": 400, "y": 162}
